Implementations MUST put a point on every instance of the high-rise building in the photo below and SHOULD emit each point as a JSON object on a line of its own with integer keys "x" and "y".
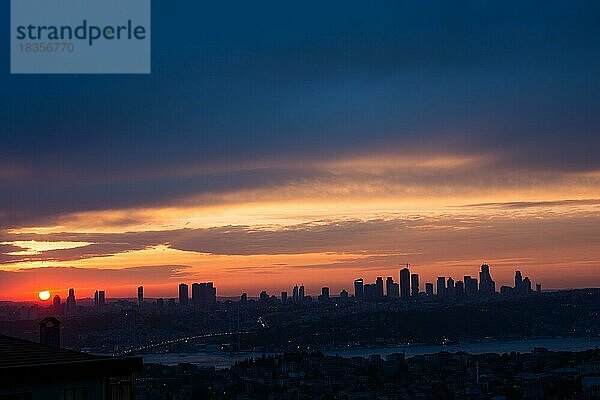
{"x": 301, "y": 293}
{"x": 450, "y": 287}
{"x": 538, "y": 288}
{"x": 244, "y": 298}
{"x": 414, "y": 285}
{"x": 101, "y": 298}
{"x": 96, "y": 299}
{"x": 344, "y": 295}
{"x": 379, "y": 286}
{"x": 71, "y": 307}
{"x": 204, "y": 294}
{"x": 526, "y": 285}
{"x": 358, "y": 288}
{"x": 196, "y": 294}
{"x": 284, "y": 297}
{"x": 324, "y": 294}
{"x": 518, "y": 281}
{"x": 371, "y": 291}
{"x": 441, "y": 286}
{"x": 429, "y": 289}
{"x": 140, "y": 293}
{"x": 487, "y": 286}
{"x": 295, "y": 297}
{"x": 404, "y": 283}
{"x": 56, "y": 304}
{"x": 264, "y": 296}
{"x": 471, "y": 287}
{"x": 183, "y": 295}
{"x": 392, "y": 290}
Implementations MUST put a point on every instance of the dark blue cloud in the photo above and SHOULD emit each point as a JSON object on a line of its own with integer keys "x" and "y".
{"x": 247, "y": 81}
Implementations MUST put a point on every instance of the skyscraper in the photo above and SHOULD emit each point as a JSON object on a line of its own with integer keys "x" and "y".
{"x": 196, "y": 294}
{"x": 441, "y": 286}
{"x": 526, "y": 285}
{"x": 324, "y": 294}
{"x": 470, "y": 285}
{"x": 301, "y": 293}
{"x": 518, "y": 281}
{"x": 211, "y": 293}
{"x": 140, "y": 293}
{"x": 295, "y": 297}
{"x": 450, "y": 287}
{"x": 392, "y": 290}
{"x": 101, "y": 298}
{"x": 284, "y": 297}
{"x": 56, "y": 304}
{"x": 487, "y": 286}
{"x": 404, "y": 283}
{"x": 414, "y": 285}
{"x": 379, "y": 285}
{"x": 429, "y": 289}
{"x": 204, "y": 294}
{"x": 71, "y": 307}
{"x": 183, "y": 295}
{"x": 358, "y": 288}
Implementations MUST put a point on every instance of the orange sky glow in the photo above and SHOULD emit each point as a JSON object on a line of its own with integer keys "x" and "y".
{"x": 359, "y": 217}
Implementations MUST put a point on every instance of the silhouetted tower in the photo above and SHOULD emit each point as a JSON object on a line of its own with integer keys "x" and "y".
{"x": 50, "y": 332}
{"x": 359, "y": 289}
{"x": 470, "y": 286}
{"x": 429, "y": 289}
{"x": 99, "y": 299}
{"x": 183, "y": 295}
{"x": 391, "y": 288}
{"x": 450, "y": 287}
{"x": 441, "y": 286}
{"x": 324, "y": 293}
{"x": 284, "y": 297}
{"x": 140, "y": 293}
{"x": 487, "y": 286}
{"x": 405, "y": 283}
{"x": 71, "y": 307}
{"x": 301, "y": 293}
{"x": 414, "y": 285}
{"x": 56, "y": 305}
{"x": 518, "y": 282}
{"x": 526, "y": 285}
{"x": 379, "y": 286}
{"x": 295, "y": 296}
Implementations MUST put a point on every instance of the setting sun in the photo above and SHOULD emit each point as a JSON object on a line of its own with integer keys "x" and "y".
{"x": 44, "y": 295}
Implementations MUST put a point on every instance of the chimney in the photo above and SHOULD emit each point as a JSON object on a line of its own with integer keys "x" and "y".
{"x": 50, "y": 332}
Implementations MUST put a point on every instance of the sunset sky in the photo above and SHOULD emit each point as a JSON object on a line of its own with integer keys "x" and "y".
{"x": 280, "y": 143}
